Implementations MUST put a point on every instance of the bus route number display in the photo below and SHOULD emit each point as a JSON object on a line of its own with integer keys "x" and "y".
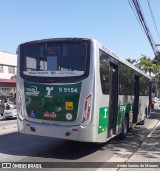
{"x": 53, "y": 50}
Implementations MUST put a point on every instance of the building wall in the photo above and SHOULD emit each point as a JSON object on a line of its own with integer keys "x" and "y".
{"x": 8, "y": 69}
{"x": 8, "y": 65}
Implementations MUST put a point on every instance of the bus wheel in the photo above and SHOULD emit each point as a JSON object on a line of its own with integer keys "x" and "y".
{"x": 141, "y": 122}
{"x": 124, "y": 128}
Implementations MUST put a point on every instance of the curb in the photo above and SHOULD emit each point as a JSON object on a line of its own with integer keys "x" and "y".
{"x": 151, "y": 133}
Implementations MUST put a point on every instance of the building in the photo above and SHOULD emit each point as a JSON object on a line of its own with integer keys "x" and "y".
{"x": 8, "y": 69}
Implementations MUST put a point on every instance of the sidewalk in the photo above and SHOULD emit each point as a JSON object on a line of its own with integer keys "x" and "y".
{"x": 149, "y": 150}
{"x": 8, "y": 129}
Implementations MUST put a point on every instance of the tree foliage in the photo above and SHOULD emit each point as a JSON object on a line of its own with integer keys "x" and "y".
{"x": 151, "y": 67}
{"x": 146, "y": 64}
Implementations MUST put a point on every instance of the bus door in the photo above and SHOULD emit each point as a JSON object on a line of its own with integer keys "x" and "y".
{"x": 136, "y": 99}
{"x": 113, "y": 102}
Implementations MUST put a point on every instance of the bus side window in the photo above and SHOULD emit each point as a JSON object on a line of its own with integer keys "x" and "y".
{"x": 104, "y": 72}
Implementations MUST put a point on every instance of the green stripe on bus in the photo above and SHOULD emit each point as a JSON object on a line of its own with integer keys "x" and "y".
{"x": 103, "y": 119}
{"x": 104, "y": 116}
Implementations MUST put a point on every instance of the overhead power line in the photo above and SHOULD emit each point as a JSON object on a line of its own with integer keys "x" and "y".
{"x": 136, "y": 8}
{"x": 153, "y": 17}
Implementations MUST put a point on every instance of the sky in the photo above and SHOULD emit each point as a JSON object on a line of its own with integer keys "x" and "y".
{"x": 111, "y": 22}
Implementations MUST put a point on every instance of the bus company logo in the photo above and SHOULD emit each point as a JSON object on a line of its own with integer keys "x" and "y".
{"x": 49, "y": 90}
{"x": 50, "y": 114}
{"x": 32, "y": 114}
{"x": 32, "y": 91}
{"x": 69, "y": 116}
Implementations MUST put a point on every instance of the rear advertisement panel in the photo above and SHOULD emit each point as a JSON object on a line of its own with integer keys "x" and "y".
{"x": 52, "y": 102}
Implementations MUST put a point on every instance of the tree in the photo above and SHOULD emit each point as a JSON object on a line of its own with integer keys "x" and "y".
{"x": 146, "y": 64}
{"x": 149, "y": 66}
{"x": 132, "y": 61}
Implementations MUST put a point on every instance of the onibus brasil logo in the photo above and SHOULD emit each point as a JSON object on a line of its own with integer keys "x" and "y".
{"x": 32, "y": 91}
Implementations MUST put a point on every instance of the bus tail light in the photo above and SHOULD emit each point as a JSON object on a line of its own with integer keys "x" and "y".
{"x": 87, "y": 108}
{"x": 85, "y": 40}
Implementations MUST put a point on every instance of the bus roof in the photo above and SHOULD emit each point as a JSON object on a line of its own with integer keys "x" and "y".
{"x": 119, "y": 58}
{"x": 104, "y": 48}
{"x": 58, "y": 40}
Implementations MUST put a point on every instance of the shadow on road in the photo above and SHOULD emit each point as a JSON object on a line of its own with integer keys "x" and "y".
{"x": 17, "y": 144}
{"x": 136, "y": 136}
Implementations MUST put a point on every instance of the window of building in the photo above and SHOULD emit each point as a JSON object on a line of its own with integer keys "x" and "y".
{"x": 1, "y": 69}
{"x": 11, "y": 69}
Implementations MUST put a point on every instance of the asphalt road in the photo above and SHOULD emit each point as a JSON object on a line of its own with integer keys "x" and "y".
{"x": 16, "y": 147}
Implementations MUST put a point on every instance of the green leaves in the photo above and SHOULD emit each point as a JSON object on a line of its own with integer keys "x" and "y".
{"x": 146, "y": 64}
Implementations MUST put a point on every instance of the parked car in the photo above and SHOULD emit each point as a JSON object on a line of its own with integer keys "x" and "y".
{"x": 10, "y": 113}
{"x": 7, "y": 107}
{"x": 156, "y": 100}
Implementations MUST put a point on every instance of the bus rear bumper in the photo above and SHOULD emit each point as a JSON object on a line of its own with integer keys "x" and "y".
{"x": 48, "y": 130}
{"x": 75, "y": 133}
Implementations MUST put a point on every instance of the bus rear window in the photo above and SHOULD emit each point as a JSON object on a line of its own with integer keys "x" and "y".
{"x": 53, "y": 60}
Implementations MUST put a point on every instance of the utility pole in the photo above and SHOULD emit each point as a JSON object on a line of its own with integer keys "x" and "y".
{"x": 157, "y": 56}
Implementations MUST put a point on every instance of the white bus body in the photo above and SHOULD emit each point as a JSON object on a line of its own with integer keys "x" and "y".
{"x": 74, "y": 99}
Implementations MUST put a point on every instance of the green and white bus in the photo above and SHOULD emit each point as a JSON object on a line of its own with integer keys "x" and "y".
{"x": 77, "y": 89}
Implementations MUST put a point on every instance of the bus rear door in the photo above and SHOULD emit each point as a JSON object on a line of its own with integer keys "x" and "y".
{"x": 113, "y": 99}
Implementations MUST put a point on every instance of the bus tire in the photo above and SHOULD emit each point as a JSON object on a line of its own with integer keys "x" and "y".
{"x": 142, "y": 122}
{"x": 124, "y": 128}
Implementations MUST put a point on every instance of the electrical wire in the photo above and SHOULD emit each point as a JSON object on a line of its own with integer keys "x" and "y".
{"x": 131, "y": 5}
{"x": 153, "y": 17}
{"x": 135, "y": 6}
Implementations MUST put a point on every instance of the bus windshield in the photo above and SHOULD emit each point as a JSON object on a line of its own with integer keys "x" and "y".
{"x": 51, "y": 59}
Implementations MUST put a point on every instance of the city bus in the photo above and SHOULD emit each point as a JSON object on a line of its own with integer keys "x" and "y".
{"x": 78, "y": 89}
